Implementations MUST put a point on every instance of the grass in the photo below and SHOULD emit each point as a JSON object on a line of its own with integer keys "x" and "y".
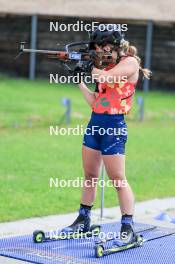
{"x": 30, "y": 156}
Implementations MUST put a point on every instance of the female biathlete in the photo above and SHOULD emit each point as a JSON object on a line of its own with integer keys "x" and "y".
{"x": 111, "y": 100}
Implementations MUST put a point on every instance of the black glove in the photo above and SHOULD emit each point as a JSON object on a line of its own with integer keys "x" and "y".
{"x": 93, "y": 55}
{"x": 84, "y": 66}
{"x": 78, "y": 74}
{"x": 88, "y": 66}
{"x": 77, "y": 70}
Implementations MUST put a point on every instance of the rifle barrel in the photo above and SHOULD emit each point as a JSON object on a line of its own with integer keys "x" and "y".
{"x": 42, "y": 51}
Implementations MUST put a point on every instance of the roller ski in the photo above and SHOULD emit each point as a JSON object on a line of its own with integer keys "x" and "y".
{"x": 105, "y": 240}
{"x": 131, "y": 239}
{"x": 101, "y": 251}
{"x": 128, "y": 239}
{"x": 80, "y": 228}
{"x": 118, "y": 246}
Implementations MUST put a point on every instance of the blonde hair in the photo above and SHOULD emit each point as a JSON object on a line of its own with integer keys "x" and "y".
{"x": 132, "y": 51}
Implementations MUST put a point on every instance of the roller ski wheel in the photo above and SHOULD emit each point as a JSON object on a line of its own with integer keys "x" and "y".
{"x": 139, "y": 241}
{"x": 99, "y": 251}
{"x": 38, "y": 236}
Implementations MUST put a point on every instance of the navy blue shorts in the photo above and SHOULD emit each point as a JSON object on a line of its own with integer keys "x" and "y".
{"x": 106, "y": 133}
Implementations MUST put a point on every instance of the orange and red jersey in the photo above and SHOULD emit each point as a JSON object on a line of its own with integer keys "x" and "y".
{"x": 116, "y": 98}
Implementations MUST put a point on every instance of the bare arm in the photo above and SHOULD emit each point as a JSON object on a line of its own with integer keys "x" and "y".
{"x": 87, "y": 94}
{"x": 127, "y": 67}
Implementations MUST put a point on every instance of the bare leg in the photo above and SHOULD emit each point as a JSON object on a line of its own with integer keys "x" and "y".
{"x": 115, "y": 168}
{"x": 91, "y": 163}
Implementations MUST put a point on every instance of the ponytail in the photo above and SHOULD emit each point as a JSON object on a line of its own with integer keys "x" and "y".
{"x": 132, "y": 51}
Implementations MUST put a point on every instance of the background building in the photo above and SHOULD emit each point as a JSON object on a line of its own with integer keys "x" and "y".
{"x": 151, "y": 27}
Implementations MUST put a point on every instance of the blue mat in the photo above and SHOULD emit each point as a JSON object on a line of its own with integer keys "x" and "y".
{"x": 81, "y": 251}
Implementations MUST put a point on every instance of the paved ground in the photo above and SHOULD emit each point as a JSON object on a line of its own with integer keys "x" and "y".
{"x": 145, "y": 212}
{"x": 11, "y": 261}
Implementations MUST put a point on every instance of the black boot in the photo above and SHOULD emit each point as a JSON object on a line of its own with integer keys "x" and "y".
{"x": 82, "y": 223}
{"x": 127, "y": 233}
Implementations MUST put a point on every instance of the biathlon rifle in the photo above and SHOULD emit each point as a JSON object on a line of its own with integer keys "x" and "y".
{"x": 72, "y": 55}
